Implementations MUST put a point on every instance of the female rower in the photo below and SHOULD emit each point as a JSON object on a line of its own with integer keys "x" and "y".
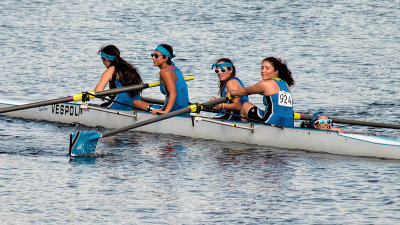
{"x": 172, "y": 83}
{"x": 228, "y": 81}
{"x": 277, "y": 98}
{"x": 321, "y": 121}
{"x": 119, "y": 73}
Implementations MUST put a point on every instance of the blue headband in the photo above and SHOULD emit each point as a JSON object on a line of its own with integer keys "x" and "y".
{"x": 164, "y": 51}
{"x": 107, "y": 56}
{"x": 221, "y": 65}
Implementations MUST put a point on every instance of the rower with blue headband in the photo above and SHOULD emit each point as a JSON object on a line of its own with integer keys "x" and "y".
{"x": 221, "y": 65}
{"x": 229, "y": 110}
{"x": 172, "y": 83}
{"x": 107, "y": 56}
{"x": 119, "y": 73}
{"x": 164, "y": 51}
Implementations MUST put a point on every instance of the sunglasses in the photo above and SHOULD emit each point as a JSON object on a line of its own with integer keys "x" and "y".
{"x": 155, "y": 55}
{"x": 328, "y": 121}
{"x": 222, "y": 70}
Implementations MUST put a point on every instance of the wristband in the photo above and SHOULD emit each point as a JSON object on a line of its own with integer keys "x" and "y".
{"x": 149, "y": 108}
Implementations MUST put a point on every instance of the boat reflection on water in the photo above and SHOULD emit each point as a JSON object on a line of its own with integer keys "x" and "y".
{"x": 170, "y": 150}
{"x": 255, "y": 168}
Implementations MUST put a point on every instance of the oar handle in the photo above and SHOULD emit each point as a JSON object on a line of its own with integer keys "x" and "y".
{"x": 299, "y": 116}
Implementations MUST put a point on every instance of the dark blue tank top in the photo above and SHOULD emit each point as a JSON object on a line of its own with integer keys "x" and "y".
{"x": 279, "y": 107}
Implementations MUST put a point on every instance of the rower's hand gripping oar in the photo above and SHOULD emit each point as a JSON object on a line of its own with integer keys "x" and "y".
{"x": 299, "y": 116}
{"x": 78, "y": 97}
{"x": 84, "y": 142}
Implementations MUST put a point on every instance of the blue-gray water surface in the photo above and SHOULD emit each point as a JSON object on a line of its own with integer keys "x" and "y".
{"x": 345, "y": 59}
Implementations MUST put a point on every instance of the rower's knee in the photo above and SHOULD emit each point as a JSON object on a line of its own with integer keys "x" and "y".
{"x": 245, "y": 111}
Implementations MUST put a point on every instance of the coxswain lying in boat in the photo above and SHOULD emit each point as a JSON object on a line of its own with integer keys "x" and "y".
{"x": 321, "y": 121}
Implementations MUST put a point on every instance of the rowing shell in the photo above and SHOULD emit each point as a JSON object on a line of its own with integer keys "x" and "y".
{"x": 206, "y": 128}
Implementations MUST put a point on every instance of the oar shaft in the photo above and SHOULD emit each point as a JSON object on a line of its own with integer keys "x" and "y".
{"x": 84, "y": 142}
{"x": 78, "y": 97}
{"x": 214, "y": 102}
{"x": 135, "y": 87}
{"x": 153, "y": 100}
{"x": 35, "y": 104}
{"x": 365, "y": 123}
{"x": 299, "y": 116}
{"x": 162, "y": 117}
{"x": 145, "y": 122}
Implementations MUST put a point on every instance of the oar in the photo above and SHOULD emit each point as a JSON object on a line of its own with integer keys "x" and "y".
{"x": 153, "y": 100}
{"x": 78, "y": 97}
{"x": 84, "y": 142}
{"x": 299, "y": 116}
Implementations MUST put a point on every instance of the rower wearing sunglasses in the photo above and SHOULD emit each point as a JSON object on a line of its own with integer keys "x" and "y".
{"x": 172, "y": 83}
{"x": 321, "y": 121}
{"x": 226, "y": 71}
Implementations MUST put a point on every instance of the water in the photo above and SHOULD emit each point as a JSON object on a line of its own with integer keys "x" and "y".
{"x": 344, "y": 57}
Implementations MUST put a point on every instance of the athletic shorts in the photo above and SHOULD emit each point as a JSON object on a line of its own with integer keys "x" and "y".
{"x": 255, "y": 113}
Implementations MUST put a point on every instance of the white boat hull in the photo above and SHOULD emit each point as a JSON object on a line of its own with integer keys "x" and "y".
{"x": 259, "y": 134}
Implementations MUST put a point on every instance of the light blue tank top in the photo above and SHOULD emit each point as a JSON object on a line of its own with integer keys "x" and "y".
{"x": 182, "y": 98}
{"x": 243, "y": 99}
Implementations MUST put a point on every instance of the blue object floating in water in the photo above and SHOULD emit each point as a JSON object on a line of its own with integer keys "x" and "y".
{"x": 83, "y": 143}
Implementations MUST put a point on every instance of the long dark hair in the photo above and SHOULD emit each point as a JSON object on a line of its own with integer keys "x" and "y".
{"x": 223, "y": 83}
{"x": 129, "y": 74}
{"x": 283, "y": 71}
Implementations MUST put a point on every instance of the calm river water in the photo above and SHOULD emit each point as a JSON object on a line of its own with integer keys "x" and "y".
{"x": 345, "y": 58}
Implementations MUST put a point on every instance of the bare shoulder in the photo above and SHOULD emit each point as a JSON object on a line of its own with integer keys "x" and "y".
{"x": 267, "y": 83}
{"x": 111, "y": 68}
{"x": 268, "y": 87}
{"x": 167, "y": 75}
{"x": 166, "y": 71}
{"x": 109, "y": 72}
{"x": 233, "y": 84}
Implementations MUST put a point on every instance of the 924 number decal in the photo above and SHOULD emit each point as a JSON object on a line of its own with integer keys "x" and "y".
{"x": 285, "y": 99}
